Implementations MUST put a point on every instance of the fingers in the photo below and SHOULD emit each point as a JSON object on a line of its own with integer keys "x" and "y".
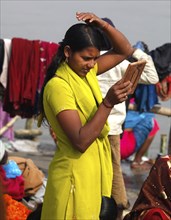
{"x": 123, "y": 88}
{"x": 84, "y": 16}
{"x": 165, "y": 87}
{"x": 125, "y": 84}
{"x": 87, "y": 17}
{"x": 161, "y": 90}
{"x": 124, "y": 98}
{"x": 121, "y": 91}
{"x": 115, "y": 96}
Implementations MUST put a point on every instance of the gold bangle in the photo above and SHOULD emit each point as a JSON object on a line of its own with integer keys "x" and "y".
{"x": 106, "y": 105}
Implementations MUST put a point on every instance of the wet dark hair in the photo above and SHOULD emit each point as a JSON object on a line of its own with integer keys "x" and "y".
{"x": 78, "y": 37}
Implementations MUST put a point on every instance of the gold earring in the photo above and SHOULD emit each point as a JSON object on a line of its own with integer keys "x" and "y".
{"x": 66, "y": 59}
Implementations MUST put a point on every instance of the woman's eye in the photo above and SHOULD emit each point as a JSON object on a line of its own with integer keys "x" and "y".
{"x": 86, "y": 58}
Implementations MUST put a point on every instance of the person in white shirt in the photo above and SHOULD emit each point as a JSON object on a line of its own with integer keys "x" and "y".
{"x": 118, "y": 114}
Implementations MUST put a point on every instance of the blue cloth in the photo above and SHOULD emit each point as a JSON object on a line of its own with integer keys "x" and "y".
{"x": 141, "y": 124}
{"x": 11, "y": 169}
{"x": 139, "y": 45}
{"x": 145, "y": 97}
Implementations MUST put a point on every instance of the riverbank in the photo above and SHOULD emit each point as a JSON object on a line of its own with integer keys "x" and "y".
{"x": 45, "y": 150}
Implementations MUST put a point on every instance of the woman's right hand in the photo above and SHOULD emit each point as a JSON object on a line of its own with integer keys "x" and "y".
{"x": 91, "y": 18}
{"x": 118, "y": 93}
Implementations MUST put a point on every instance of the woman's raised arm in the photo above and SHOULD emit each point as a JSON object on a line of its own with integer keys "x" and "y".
{"x": 121, "y": 46}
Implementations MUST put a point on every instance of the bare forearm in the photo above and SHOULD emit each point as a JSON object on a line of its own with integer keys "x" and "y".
{"x": 116, "y": 94}
{"x": 120, "y": 43}
{"x": 93, "y": 128}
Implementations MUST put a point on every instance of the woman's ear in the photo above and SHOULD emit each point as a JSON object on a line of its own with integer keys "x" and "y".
{"x": 67, "y": 51}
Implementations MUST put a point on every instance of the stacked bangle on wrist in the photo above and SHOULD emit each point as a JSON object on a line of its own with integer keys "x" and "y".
{"x": 106, "y": 105}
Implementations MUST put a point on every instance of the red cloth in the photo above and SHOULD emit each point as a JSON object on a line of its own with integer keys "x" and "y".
{"x": 127, "y": 144}
{"x": 47, "y": 52}
{"x": 13, "y": 187}
{"x": 22, "y": 82}
{"x": 155, "y": 193}
{"x": 163, "y": 88}
{"x": 155, "y": 214}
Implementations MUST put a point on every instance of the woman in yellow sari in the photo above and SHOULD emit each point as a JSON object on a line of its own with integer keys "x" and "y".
{"x": 81, "y": 170}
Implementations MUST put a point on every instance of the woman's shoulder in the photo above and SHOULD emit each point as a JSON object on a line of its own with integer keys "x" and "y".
{"x": 57, "y": 87}
{"x": 56, "y": 83}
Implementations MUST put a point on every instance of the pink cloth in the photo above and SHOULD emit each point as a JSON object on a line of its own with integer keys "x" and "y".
{"x": 128, "y": 141}
{"x": 155, "y": 128}
{"x": 127, "y": 144}
{"x": 4, "y": 119}
{"x": 13, "y": 187}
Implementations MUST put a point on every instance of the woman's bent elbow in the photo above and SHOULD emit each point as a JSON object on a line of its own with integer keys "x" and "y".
{"x": 80, "y": 148}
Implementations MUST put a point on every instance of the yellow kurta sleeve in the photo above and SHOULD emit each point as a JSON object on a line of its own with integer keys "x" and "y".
{"x": 59, "y": 96}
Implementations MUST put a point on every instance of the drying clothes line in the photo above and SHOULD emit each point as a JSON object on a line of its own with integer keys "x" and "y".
{"x": 9, "y": 124}
{"x": 27, "y": 133}
{"x": 156, "y": 109}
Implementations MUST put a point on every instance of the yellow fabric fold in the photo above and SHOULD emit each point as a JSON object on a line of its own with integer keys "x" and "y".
{"x": 88, "y": 105}
{"x": 76, "y": 181}
{"x": 83, "y": 92}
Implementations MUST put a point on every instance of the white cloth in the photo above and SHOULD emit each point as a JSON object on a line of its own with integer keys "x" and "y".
{"x": 107, "y": 79}
{"x": 25, "y": 145}
{"x": 2, "y": 150}
{"x": 7, "y": 54}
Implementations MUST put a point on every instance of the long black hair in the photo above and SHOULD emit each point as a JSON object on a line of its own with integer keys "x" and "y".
{"x": 78, "y": 37}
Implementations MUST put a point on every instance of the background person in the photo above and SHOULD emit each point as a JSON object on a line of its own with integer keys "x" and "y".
{"x": 140, "y": 129}
{"x": 118, "y": 114}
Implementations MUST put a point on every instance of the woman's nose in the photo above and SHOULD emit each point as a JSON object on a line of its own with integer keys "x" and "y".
{"x": 91, "y": 63}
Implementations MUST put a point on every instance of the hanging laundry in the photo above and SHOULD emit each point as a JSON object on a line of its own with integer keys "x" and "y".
{"x": 1, "y": 54}
{"x": 162, "y": 60}
{"x": 47, "y": 52}
{"x": 5, "y": 118}
{"x": 23, "y": 72}
{"x": 6, "y": 58}
{"x": 145, "y": 95}
{"x": 22, "y": 81}
{"x": 163, "y": 88}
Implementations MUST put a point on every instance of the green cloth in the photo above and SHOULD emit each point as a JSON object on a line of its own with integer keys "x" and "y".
{"x": 76, "y": 181}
